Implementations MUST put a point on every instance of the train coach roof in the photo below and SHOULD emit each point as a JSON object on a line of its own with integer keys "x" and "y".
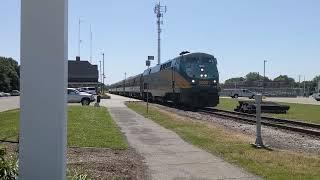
{"x": 127, "y": 79}
{"x": 152, "y": 70}
{"x": 133, "y": 77}
{"x": 197, "y": 54}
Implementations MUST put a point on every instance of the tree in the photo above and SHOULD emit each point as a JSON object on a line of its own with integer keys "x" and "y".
{"x": 284, "y": 78}
{"x": 315, "y": 82}
{"x": 316, "y": 79}
{"x": 9, "y": 74}
{"x": 253, "y": 76}
{"x": 234, "y": 80}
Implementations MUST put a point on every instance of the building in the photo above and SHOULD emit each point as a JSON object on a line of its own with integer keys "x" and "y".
{"x": 82, "y": 74}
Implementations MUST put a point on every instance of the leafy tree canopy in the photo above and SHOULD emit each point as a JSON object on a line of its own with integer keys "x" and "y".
{"x": 253, "y": 76}
{"x": 284, "y": 78}
{"x": 316, "y": 79}
{"x": 233, "y": 80}
{"x": 9, "y": 74}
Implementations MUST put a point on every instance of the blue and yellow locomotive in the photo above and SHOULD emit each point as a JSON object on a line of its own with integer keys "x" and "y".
{"x": 190, "y": 79}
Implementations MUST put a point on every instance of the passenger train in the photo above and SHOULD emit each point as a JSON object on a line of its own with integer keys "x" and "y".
{"x": 191, "y": 80}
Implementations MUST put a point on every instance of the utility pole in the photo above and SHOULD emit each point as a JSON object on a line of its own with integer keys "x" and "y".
{"x": 304, "y": 85}
{"x": 124, "y": 89}
{"x": 90, "y": 44}
{"x": 159, "y": 11}
{"x": 264, "y": 74}
{"x": 100, "y": 72}
{"x": 103, "y": 75}
{"x": 79, "y": 37}
{"x": 299, "y": 86}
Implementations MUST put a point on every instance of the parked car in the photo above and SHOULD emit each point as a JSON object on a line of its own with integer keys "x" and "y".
{"x": 316, "y": 95}
{"x": 90, "y": 90}
{"x": 15, "y": 93}
{"x": 74, "y": 96}
{"x": 3, "y": 94}
{"x": 235, "y": 93}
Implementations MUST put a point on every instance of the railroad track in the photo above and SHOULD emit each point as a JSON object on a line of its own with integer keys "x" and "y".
{"x": 295, "y": 126}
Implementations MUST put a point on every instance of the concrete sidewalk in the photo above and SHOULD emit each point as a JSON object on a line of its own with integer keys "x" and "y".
{"x": 8, "y": 103}
{"x": 166, "y": 154}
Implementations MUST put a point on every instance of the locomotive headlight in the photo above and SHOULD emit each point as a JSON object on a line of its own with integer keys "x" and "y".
{"x": 201, "y": 69}
{"x": 205, "y": 75}
{"x": 214, "y": 81}
{"x": 201, "y": 75}
{"x": 193, "y": 81}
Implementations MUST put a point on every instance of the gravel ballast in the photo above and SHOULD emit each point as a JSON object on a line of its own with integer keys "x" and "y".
{"x": 273, "y": 137}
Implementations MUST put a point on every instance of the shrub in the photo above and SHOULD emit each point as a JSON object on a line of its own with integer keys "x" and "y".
{"x": 8, "y": 166}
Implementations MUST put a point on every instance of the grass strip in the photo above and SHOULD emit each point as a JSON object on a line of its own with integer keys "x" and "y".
{"x": 235, "y": 148}
{"x": 303, "y": 112}
{"x": 93, "y": 127}
{"x": 87, "y": 127}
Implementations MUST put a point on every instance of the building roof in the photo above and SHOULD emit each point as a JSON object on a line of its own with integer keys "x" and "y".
{"x": 82, "y": 71}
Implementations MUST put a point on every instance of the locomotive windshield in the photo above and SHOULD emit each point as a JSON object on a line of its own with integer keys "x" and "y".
{"x": 204, "y": 67}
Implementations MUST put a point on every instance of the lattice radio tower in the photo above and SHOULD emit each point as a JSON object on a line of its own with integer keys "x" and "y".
{"x": 159, "y": 11}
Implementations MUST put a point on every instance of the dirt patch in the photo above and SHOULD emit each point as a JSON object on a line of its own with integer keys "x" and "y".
{"x": 100, "y": 163}
{"x": 107, "y": 163}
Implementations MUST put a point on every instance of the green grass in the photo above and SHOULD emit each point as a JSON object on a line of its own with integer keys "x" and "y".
{"x": 93, "y": 127}
{"x": 9, "y": 125}
{"x": 87, "y": 127}
{"x": 303, "y": 112}
{"x": 236, "y": 148}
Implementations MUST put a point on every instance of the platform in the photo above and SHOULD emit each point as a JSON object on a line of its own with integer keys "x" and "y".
{"x": 166, "y": 154}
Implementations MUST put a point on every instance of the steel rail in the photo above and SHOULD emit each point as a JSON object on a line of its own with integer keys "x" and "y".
{"x": 268, "y": 121}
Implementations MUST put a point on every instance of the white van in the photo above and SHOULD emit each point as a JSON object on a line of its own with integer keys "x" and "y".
{"x": 91, "y": 90}
{"x": 235, "y": 93}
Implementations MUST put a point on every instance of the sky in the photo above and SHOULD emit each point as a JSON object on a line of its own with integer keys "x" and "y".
{"x": 240, "y": 34}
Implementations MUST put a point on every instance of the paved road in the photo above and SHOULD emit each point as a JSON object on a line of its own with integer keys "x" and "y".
{"x": 298, "y": 100}
{"x": 7, "y": 103}
{"x": 166, "y": 154}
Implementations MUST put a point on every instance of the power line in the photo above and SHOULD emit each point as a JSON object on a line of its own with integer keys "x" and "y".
{"x": 159, "y": 11}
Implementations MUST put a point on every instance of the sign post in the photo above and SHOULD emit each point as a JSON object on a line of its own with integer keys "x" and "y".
{"x": 148, "y": 63}
{"x": 258, "y": 143}
{"x": 44, "y": 47}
